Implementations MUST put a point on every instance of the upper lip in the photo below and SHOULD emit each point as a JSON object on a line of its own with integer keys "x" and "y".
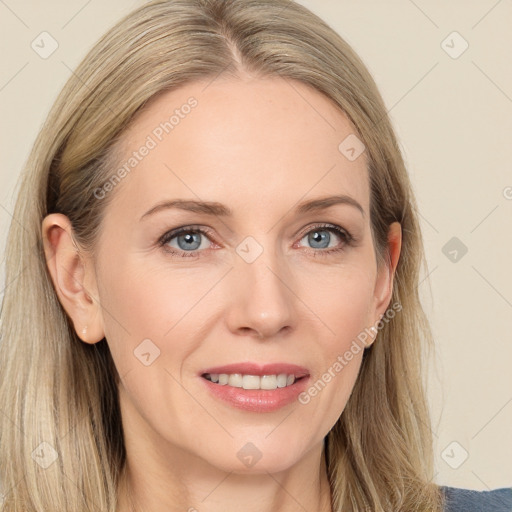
{"x": 259, "y": 369}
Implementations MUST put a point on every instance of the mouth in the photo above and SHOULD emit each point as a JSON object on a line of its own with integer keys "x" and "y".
{"x": 255, "y": 387}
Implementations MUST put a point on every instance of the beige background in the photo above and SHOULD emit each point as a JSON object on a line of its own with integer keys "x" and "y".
{"x": 453, "y": 117}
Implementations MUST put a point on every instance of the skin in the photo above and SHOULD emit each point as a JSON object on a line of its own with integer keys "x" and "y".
{"x": 258, "y": 146}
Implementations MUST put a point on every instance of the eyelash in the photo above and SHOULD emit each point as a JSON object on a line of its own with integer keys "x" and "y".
{"x": 348, "y": 239}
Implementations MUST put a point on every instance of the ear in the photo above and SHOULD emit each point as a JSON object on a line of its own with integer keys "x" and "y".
{"x": 385, "y": 275}
{"x": 73, "y": 278}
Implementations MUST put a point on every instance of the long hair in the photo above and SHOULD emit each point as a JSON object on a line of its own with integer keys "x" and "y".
{"x": 61, "y": 438}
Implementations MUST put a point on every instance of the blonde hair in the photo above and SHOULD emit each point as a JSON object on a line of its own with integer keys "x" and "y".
{"x": 58, "y": 390}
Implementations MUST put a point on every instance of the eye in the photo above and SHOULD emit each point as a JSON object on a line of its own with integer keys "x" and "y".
{"x": 188, "y": 239}
{"x": 321, "y": 238}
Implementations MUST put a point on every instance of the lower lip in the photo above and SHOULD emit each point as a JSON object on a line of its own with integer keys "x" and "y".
{"x": 257, "y": 400}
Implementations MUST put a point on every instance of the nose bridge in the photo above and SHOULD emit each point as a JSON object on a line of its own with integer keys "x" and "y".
{"x": 262, "y": 299}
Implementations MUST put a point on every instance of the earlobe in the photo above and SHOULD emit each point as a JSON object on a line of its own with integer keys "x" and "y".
{"x": 69, "y": 270}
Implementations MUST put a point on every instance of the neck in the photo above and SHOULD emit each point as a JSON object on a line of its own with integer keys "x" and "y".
{"x": 200, "y": 488}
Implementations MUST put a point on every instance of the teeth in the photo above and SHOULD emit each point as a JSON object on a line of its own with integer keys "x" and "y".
{"x": 268, "y": 382}
{"x": 251, "y": 382}
{"x": 237, "y": 380}
{"x": 281, "y": 380}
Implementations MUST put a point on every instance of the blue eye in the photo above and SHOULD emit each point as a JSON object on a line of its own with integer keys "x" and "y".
{"x": 190, "y": 240}
{"x": 320, "y": 237}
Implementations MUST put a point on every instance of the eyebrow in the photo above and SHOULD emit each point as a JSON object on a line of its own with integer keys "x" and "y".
{"x": 218, "y": 209}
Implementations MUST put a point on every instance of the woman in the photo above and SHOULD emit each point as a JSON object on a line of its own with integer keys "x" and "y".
{"x": 217, "y": 258}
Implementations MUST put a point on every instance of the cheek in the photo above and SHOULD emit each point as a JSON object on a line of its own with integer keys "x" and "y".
{"x": 343, "y": 305}
{"x": 342, "y": 298}
{"x": 151, "y": 327}
{"x": 155, "y": 309}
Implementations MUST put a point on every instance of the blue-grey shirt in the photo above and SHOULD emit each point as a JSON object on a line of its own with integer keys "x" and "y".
{"x": 464, "y": 500}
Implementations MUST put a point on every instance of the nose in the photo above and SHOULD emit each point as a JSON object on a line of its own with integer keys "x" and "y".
{"x": 261, "y": 302}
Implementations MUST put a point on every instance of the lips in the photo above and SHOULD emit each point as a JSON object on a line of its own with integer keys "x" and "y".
{"x": 256, "y": 387}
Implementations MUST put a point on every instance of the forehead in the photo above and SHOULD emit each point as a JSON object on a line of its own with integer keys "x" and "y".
{"x": 234, "y": 140}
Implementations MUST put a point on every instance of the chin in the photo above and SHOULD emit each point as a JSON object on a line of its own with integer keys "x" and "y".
{"x": 257, "y": 455}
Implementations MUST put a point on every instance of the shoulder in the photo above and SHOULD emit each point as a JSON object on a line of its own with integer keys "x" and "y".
{"x": 465, "y": 500}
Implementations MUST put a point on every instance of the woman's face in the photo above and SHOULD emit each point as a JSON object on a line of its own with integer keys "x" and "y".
{"x": 256, "y": 283}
